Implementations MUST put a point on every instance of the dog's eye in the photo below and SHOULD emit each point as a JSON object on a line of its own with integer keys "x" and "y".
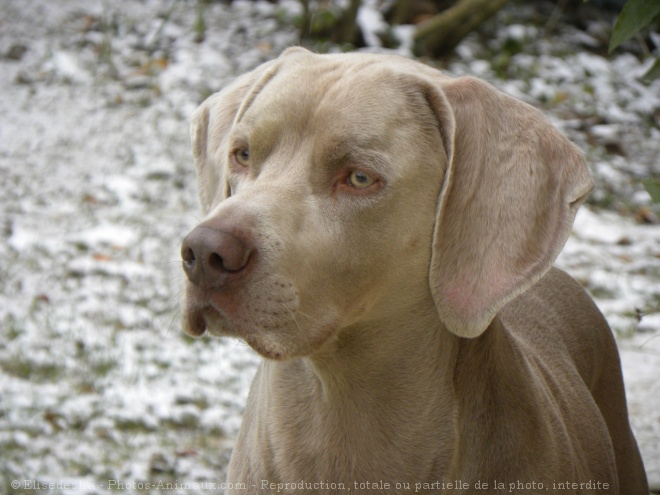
{"x": 360, "y": 180}
{"x": 242, "y": 156}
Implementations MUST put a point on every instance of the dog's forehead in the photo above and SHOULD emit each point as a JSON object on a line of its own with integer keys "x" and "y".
{"x": 326, "y": 92}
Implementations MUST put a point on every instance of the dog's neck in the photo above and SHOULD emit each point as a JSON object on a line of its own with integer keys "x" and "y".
{"x": 382, "y": 354}
{"x": 359, "y": 396}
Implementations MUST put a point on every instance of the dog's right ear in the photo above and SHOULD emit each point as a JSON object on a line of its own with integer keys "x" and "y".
{"x": 211, "y": 123}
{"x": 209, "y": 136}
{"x": 206, "y": 175}
{"x": 209, "y": 129}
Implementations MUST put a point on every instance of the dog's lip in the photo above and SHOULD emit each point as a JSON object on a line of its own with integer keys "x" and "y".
{"x": 205, "y": 306}
{"x": 201, "y": 321}
{"x": 195, "y": 311}
{"x": 194, "y": 321}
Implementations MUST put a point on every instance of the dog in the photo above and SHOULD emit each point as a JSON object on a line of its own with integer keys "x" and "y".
{"x": 383, "y": 235}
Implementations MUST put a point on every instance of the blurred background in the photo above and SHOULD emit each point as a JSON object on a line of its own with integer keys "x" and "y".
{"x": 99, "y": 388}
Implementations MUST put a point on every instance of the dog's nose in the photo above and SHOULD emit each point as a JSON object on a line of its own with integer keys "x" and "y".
{"x": 211, "y": 258}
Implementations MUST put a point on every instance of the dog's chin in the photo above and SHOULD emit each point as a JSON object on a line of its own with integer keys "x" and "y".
{"x": 281, "y": 347}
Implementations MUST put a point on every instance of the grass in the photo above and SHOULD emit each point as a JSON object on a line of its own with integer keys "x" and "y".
{"x": 21, "y": 366}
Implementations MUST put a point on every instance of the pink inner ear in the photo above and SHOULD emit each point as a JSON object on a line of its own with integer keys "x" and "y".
{"x": 469, "y": 301}
{"x": 461, "y": 299}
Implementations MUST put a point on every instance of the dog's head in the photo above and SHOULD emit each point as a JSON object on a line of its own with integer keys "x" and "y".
{"x": 341, "y": 189}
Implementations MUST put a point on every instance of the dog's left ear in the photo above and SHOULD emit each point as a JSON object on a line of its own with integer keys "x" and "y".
{"x": 512, "y": 187}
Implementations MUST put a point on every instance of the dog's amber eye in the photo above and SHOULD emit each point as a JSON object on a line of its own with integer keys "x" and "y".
{"x": 242, "y": 156}
{"x": 360, "y": 180}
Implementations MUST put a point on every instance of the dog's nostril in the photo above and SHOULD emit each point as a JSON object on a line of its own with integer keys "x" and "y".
{"x": 216, "y": 262}
{"x": 188, "y": 255}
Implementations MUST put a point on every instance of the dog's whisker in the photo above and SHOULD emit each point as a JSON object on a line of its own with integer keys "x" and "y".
{"x": 175, "y": 316}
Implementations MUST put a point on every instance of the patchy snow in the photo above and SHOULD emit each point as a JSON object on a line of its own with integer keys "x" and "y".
{"x": 97, "y": 383}
{"x": 371, "y": 23}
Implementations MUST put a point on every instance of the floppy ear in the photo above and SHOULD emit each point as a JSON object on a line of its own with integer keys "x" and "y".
{"x": 209, "y": 132}
{"x": 211, "y": 122}
{"x": 210, "y": 126}
{"x": 512, "y": 187}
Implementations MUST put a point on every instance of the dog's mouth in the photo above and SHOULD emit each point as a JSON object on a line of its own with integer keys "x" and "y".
{"x": 272, "y": 326}
{"x": 201, "y": 315}
{"x": 200, "y": 320}
{"x": 194, "y": 320}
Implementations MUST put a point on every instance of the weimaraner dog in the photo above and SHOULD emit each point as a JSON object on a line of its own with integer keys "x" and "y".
{"x": 383, "y": 235}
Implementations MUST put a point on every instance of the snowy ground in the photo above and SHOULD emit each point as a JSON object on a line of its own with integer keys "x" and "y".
{"x": 98, "y": 386}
